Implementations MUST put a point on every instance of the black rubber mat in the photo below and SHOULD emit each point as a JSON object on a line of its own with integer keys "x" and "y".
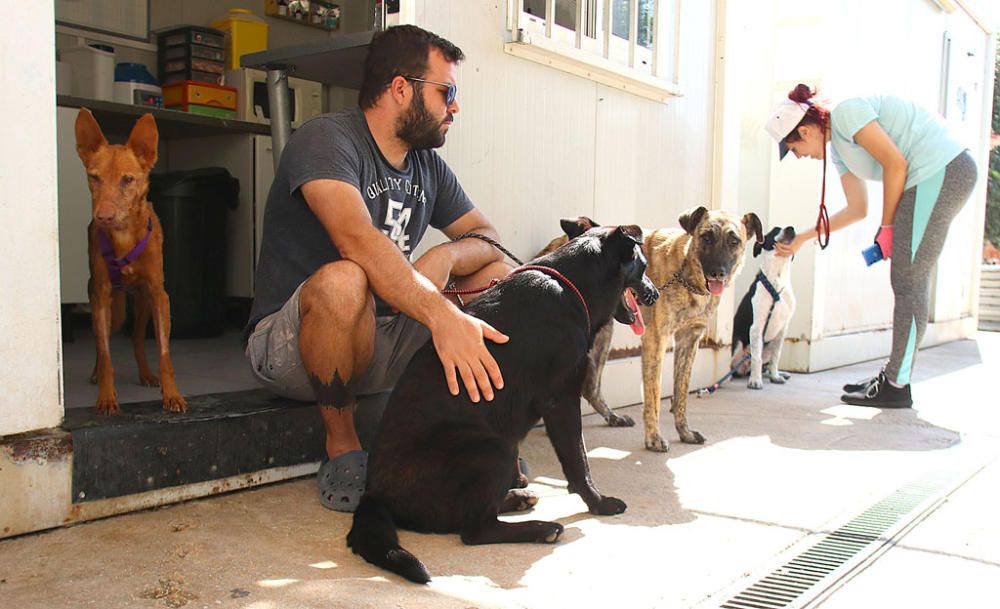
{"x": 145, "y": 448}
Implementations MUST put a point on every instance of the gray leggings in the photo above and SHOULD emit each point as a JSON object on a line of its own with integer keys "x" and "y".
{"x": 922, "y": 219}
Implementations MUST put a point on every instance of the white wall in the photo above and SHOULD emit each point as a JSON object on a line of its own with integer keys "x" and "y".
{"x": 30, "y": 379}
{"x": 533, "y": 144}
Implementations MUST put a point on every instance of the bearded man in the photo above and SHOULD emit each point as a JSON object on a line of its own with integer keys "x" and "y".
{"x": 340, "y": 304}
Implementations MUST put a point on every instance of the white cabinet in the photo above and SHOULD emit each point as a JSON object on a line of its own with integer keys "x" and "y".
{"x": 248, "y": 158}
{"x": 74, "y": 211}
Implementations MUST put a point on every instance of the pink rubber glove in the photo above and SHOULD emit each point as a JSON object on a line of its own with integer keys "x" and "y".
{"x": 884, "y": 239}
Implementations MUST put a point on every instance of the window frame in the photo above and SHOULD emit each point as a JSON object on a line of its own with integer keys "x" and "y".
{"x": 606, "y": 58}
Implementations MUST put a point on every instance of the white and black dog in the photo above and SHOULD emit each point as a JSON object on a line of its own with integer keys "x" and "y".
{"x": 763, "y": 315}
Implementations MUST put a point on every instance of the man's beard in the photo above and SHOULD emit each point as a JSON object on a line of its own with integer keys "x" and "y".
{"x": 418, "y": 128}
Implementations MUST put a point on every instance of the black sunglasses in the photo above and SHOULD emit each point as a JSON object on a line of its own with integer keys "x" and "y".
{"x": 449, "y": 95}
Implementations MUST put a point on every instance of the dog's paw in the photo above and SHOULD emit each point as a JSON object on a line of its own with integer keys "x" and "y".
{"x": 518, "y": 500}
{"x": 107, "y": 405}
{"x": 149, "y": 380}
{"x": 550, "y": 532}
{"x": 690, "y": 436}
{"x": 779, "y": 379}
{"x": 657, "y": 443}
{"x": 174, "y": 403}
{"x": 608, "y": 506}
{"x": 755, "y": 383}
{"x": 620, "y": 420}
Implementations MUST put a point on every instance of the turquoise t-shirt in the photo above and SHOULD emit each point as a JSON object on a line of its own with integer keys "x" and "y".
{"x": 919, "y": 135}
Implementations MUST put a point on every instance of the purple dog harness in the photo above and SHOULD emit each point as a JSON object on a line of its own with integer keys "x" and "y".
{"x": 115, "y": 265}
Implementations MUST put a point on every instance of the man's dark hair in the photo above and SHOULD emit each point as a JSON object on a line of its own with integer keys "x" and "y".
{"x": 402, "y": 50}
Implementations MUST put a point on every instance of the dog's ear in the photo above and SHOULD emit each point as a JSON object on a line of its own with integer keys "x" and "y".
{"x": 143, "y": 140}
{"x": 753, "y": 226}
{"x": 757, "y": 247}
{"x": 574, "y": 227}
{"x": 691, "y": 218}
{"x": 89, "y": 138}
{"x": 633, "y": 232}
{"x": 628, "y": 236}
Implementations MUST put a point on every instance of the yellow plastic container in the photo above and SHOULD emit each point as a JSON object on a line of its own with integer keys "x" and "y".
{"x": 245, "y": 33}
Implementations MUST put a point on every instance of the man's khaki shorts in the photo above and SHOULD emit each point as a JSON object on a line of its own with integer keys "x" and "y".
{"x": 273, "y": 353}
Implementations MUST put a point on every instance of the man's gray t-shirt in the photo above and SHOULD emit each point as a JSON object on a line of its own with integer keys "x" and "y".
{"x": 340, "y": 146}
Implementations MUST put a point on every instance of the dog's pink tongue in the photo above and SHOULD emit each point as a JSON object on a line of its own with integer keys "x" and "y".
{"x": 638, "y": 326}
{"x": 715, "y": 287}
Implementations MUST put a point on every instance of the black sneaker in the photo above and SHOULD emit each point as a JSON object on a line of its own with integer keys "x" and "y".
{"x": 880, "y": 394}
{"x": 863, "y": 384}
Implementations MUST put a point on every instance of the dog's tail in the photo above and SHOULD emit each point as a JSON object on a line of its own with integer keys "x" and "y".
{"x": 374, "y": 538}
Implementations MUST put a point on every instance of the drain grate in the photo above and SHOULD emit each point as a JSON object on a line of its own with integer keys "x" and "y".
{"x": 844, "y": 548}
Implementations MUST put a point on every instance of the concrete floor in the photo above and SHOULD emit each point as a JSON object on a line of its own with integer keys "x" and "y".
{"x": 780, "y": 467}
{"x": 202, "y": 366}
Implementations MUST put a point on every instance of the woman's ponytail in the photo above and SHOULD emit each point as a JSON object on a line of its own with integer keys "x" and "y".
{"x": 801, "y": 94}
{"x": 816, "y": 114}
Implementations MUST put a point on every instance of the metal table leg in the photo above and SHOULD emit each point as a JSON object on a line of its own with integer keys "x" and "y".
{"x": 277, "y": 98}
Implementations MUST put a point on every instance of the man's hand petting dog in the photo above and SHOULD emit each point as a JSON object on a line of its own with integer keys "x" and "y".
{"x": 459, "y": 340}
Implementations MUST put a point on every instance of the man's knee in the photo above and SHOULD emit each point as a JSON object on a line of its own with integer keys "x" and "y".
{"x": 337, "y": 290}
{"x": 496, "y": 270}
{"x": 482, "y": 277}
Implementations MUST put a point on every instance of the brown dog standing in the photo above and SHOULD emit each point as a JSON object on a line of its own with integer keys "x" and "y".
{"x": 691, "y": 267}
{"x": 126, "y": 253}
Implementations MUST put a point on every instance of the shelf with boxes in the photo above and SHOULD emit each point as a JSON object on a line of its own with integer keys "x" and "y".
{"x": 119, "y": 117}
{"x": 192, "y": 65}
{"x": 322, "y": 14}
{"x": 191, "y": 52}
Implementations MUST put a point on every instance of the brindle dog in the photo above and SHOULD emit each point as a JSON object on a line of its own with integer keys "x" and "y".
{"x": 691, "y": 267}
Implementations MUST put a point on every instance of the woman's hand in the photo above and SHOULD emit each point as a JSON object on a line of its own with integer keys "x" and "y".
{"x": 884, "y": 239}
{"x": 789, "y": 250}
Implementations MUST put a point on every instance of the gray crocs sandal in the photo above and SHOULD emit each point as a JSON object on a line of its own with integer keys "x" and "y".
{"x": 342, "y": 481}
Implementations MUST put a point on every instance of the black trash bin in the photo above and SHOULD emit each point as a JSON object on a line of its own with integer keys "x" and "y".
{"x": 192, "y": 207}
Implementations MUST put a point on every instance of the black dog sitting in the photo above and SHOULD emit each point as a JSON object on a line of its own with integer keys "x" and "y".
{"x": 442, "y": 464}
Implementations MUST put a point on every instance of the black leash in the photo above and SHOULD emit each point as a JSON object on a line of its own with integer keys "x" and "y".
{"x": 451, "y": 288}
{"x": 492, "y": 242}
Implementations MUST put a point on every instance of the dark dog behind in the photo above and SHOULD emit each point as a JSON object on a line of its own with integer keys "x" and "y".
{"x": 443, "y": 464}
{"x": 598, "y": 355}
